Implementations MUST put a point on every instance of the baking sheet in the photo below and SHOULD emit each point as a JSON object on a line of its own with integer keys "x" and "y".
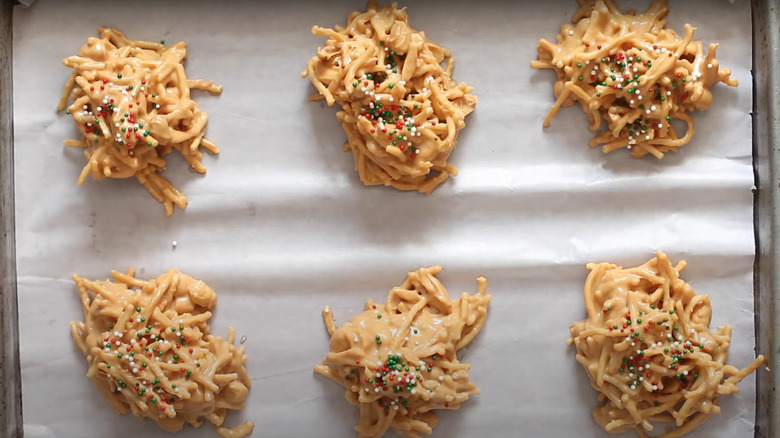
{"x": 281, "y": 225}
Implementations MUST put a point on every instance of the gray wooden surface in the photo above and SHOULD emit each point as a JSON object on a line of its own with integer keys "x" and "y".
{"x": 10, "y": 380}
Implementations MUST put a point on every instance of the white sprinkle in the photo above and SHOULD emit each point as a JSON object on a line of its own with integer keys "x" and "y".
{"x": 640, "y": 378}
{"x": 387, "y": 49}
{"x": 376, "y": 389}
{"x": 174, "y": 244}
{"x": 639, "y": 97}
{"x": 366, "y": 389}
{"x": 652, "y": 107}
{"x": 633, "y": 345}
{"x": 363, "y": 89}
{"x": 441, "y": 378}
{"x": 571, "y": 32}
{"x": 100, "y": 108}
{"x": 396, "y": 406}
{"x": 406, "y": 338}
{"x": 647, "y": 137}
{"x": 631, "y": 101}
{"x": 356, "y": 339}
{"x": 660, "y": 126}
{"x": 685, "y": 373}
{"x": 85, "y": 107}
{"x": 655, "y": 387}
{"x": 135, "y": 370}
{"x": 647, "y": 111}
{"x": 414, "y": 391}
{"x": 178, "y": 333}
{"x": 709, "y": 65}
{"x": 635, "y": 70}
{"x": 424, "y": 90}
{"x": 390, "y": 98}
{"x": 170, "y": 361}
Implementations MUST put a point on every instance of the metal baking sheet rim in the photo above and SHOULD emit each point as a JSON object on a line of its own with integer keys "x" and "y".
{"x": 766, "y": 164}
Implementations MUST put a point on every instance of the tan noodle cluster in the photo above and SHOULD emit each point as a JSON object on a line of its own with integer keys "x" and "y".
{"x": 150, "y": 352}
{"x": 647, "y": 348}
{"x": 631, "y": 71}
{"x": 398, "y": 360}
{"x": 132, "y": 106}
{"x": 401, "y": 110}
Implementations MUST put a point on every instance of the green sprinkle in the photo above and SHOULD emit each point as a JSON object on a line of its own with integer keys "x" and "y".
{"x": 391, "y": 85}
{"x": 137, "y": 309}
{"x": 119, "y": 75}
{"x": 379, "y": 316}
{"x": 579, "y": 64}
{"x": 67, "y": 111}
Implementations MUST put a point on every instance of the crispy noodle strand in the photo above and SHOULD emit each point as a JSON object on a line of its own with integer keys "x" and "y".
{"x": 631, "y": 71}
{"x": 647, "y": 348}
{"x": 413, "y": 338}
{"x": 149, "y": 351}
{"x": 400, "y": 108}
{"x": 132, "y": 106}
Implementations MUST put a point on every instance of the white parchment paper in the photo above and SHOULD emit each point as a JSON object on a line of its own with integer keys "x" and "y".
{"x": 281, "y": 225}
